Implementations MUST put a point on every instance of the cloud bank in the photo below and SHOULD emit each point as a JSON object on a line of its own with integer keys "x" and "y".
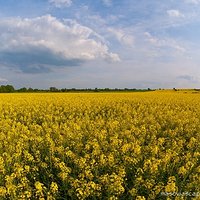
{"x": 61, "y": 3}
{"x": 122, "y": 37}
{"x": 3, "y": 80}
{"x": 107, "y": 3}
{"x": 174, "y": 13}
{"x": 189, "y": 78}
{"x": 193, "y": 1}
{"x": 42, "y": 44}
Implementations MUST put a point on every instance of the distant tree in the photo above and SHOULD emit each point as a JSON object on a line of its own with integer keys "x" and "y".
{"x": 30, "y": 89}
{"x": 96, "y": 90}
{"x": 7, "y": 89}
{"x": 23, "y": 89}
{"x": 53, "y": 89}
{"x": 10, "y": 88}
{"x": 63, "y": 90}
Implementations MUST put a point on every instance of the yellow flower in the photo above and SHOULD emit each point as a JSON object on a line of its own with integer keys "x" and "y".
{"x": 54, "y": 187}
{"x": 182, "y": 170}
{"x": 2, "y": 191}
{"x": 171, "y": 185}
{"x": 140, "y": 198}
{"x": 39, "y": 186}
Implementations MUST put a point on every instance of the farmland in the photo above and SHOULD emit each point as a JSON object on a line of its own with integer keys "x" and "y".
{"x": 100, "y": 146}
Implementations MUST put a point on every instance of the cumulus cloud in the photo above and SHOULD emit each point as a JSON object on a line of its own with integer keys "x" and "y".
{"x": 163, "y": 43}
{"x": 174, "y": 13}
{"x": 3, "y": 80}
{"x": 193, "y": 1}
{"x": 107, "y": 3}
{"x": 61, "y": 3}
{"x": 188, "y": 78}
{"x": 122, "y": 36}
{"x": 44, "y": 43}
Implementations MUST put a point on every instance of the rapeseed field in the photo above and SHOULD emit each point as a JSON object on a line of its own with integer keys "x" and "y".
{"x": 100, "y": 146}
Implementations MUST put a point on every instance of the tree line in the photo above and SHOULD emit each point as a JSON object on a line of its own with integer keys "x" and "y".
{"x": 11, "y": 89}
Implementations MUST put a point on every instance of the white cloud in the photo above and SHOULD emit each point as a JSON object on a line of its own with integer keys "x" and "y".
{"x": 174, "y": 13}
{"x": 193, "y": 1}
{"x": 163, "y": 43}
{"x": 189, "y": 78}
{"x": 107, "y": 3}
{"x": 61, "y": 3}
{"x": 122, "y": 36}
{"x": 35, "y": 45}
{"x": 3, "y": 80}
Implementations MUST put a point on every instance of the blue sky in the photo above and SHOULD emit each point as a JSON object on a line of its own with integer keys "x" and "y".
{"x": 102, "y": 43}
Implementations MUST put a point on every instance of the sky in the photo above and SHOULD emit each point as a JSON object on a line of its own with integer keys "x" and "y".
{"x": 101, "y": 43}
